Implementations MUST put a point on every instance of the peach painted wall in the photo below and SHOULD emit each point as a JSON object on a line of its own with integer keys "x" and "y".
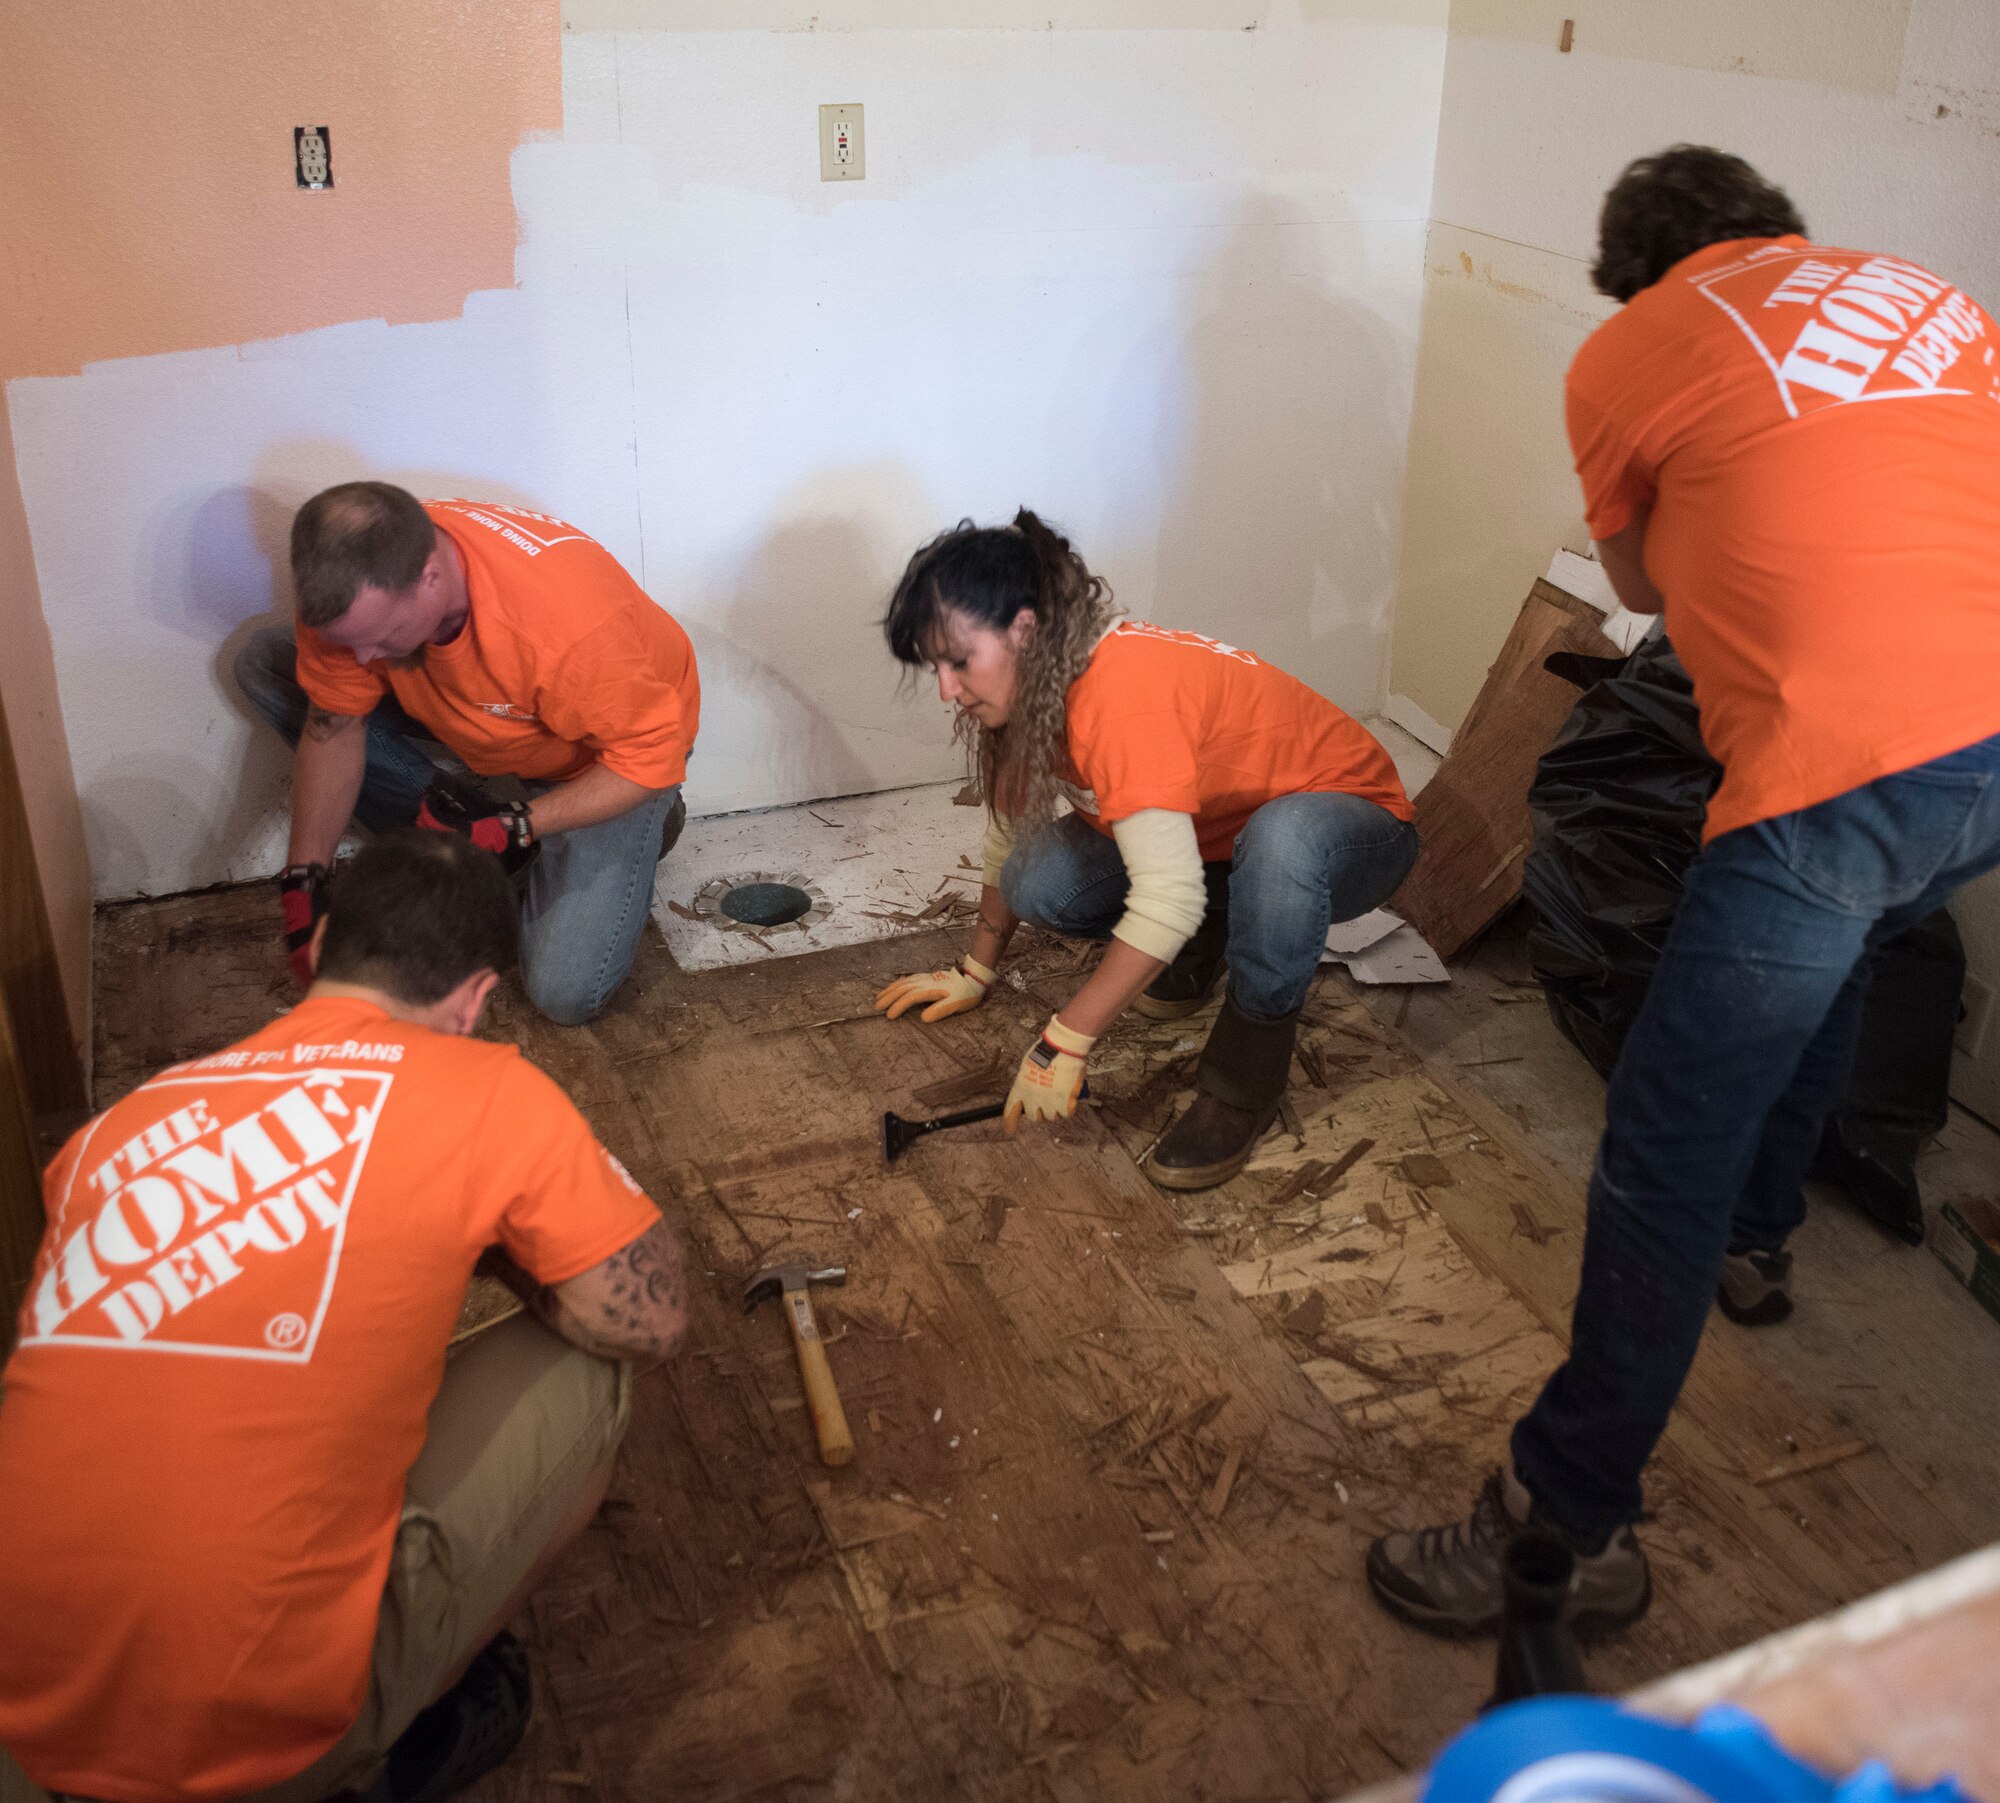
{"x": 147, "y": 205}
{"x": 147, "y": 201}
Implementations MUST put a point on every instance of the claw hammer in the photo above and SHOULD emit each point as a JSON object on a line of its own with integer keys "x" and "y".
{"x": 829, "y": 1419}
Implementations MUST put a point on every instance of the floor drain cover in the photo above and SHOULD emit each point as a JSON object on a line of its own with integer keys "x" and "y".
{"x": 766, "y": 904}
{"x": 761, "y": 902}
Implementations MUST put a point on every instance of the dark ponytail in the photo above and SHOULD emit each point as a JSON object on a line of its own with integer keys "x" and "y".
{"x": 989, "y": 574}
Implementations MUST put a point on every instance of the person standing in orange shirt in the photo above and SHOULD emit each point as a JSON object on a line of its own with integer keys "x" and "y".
{"x": 1794, "y": 451}
{"x": 493, "y": 672}
{"x": 264, "y": 1532}
{"x": 1223, "y": 814}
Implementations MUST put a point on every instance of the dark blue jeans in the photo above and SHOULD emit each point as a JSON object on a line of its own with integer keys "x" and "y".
{"x": 589, "y": 892}
{"x": 1302, "y": 862}
{"x": 1744, "y": 1045}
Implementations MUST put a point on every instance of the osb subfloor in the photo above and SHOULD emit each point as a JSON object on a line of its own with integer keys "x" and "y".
{"x": 1120, "y": 1452}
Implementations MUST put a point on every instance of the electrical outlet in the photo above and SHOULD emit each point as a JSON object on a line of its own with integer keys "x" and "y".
{"x": 1975, "y": 1011}
{"x": 840, "y": 149}
{"x": 312, "y": 156}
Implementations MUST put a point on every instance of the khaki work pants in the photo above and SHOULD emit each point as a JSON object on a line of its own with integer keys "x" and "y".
{"x": 524, "y": 1428}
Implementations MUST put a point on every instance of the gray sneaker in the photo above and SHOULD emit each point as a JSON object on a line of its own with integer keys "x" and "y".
{"x": 1756, "y": 1288}
{"x": 1446, "y": 1580}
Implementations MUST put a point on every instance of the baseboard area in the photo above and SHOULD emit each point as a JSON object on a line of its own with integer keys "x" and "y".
{"x": 1418, "y": 724}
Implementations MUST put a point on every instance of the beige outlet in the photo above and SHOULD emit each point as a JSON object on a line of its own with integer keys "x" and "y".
{"x": 840, "y": 149}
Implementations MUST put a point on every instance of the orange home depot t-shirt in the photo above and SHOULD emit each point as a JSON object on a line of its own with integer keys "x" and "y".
{"x": 1817, "y": 434}
{"x": 229, "y": 1344}
{"x": 1172, "y": 720}
{"x": 564, "y": 661}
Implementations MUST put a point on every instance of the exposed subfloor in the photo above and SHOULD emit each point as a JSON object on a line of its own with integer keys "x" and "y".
{"x": 1120, "y": 1452}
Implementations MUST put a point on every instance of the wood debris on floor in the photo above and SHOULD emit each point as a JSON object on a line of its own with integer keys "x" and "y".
{"x": 1120, "y": 1452}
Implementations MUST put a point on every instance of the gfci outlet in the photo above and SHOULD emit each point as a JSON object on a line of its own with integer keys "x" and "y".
{"x": 840, "y": 150}
{"x": 1975, "y": 1012}
{"x": 312, "y": 156}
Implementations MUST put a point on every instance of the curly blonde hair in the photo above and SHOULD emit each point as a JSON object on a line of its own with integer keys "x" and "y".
{"x": 988, "y": 574}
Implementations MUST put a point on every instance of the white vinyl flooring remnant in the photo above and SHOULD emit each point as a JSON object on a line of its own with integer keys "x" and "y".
{"x": 878, "y": 861}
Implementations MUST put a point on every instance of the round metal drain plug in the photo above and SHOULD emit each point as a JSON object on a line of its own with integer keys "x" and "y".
{"x": 766, "y": 904}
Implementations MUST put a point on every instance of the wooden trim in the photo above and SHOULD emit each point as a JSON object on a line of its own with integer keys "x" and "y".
{"x": 30, "y": 979}
{"x": 21, "y": 1214}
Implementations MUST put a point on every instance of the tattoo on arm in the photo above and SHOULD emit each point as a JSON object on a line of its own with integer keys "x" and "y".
{"x": 643, "y": 1282}
{"x": 629, "y": 1294}
{"x": 321, "y": 724}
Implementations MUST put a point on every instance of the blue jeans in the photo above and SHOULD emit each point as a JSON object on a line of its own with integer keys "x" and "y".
{"x": 1742, "y": 1048}
{"x": 1302, "y": 862}
{"x": 589, "y": 892}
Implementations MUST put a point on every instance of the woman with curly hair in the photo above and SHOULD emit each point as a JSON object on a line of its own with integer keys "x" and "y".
{"x": 1223, "y": 814}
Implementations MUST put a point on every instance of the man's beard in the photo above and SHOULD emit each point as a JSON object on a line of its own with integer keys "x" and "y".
{"x": 414, "y": 661}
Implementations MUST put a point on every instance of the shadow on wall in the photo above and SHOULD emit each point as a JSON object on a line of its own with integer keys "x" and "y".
{"x": 822, "y": 579}
{"x": 1286, "y": 515}
{"x": 223, "y": 574}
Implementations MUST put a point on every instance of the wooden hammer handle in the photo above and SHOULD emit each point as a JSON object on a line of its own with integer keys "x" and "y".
{"x": 836, "y": 1439}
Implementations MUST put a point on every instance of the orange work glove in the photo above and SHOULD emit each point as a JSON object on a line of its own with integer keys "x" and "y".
{"x": 1050, "y": 1078}
{"x": 948, "y": 991}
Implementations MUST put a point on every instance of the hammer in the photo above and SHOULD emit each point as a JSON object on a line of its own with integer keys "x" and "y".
{"x": 836, "y": 1441}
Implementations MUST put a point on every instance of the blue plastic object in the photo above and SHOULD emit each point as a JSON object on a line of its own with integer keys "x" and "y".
{"x": 1588, "y": 1750}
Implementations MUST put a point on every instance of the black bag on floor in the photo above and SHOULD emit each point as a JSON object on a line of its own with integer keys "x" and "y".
{"x": 1618, "y": 802}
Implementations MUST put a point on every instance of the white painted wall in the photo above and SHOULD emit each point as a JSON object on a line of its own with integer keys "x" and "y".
{"x": 1161, "y": 284}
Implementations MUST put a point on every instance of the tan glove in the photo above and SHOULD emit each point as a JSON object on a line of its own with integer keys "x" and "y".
{"x": 949, "y": 992}
{"x": 1050, "y": 1078}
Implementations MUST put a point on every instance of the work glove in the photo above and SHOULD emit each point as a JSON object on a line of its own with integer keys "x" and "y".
{"x": 1050, "y": 1079}
{"x": 453, "y": 805}
{"x": 949, "y": 992}
{"x": 302, "y": 901}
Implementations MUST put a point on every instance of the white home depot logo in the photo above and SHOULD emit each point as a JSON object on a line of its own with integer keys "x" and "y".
{"x": 1836, "y": 326}
{"x": 216, "y": 1227}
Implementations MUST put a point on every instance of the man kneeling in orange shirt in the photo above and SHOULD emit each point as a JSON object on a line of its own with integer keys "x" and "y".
{"x": 263, "y": 1532}
{"x": 437, "y": 638}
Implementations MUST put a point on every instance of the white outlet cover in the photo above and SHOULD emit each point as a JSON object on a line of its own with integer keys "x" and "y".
{"x": 842, "y": 148}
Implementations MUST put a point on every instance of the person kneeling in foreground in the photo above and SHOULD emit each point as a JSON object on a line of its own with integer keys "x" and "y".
{"x": 1225, "y": 815}
{"x": 1796, "y": 451}
{"x": 263, "y": 1536}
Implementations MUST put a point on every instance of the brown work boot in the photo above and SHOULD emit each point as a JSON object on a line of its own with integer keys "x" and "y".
{"x": 1241, "y": 1076}
{"x": 1185, "y": 986}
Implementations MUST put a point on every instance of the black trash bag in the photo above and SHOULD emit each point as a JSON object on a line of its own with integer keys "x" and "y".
{"x": 1617, "y": 804}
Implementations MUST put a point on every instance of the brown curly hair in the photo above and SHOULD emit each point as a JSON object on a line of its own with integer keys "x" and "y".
{"x": 1668, "y": 206}
{"x": 988, "y": 574}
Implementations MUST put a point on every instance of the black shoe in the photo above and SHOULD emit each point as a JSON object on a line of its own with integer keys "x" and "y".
{"x": 1756, "y": 1288}
{"x": 1242, "y": 1075}
{"x": 1208, "y": 1145}
{"x": 1187, "y": 984}
{"x": 465, "y": 1733}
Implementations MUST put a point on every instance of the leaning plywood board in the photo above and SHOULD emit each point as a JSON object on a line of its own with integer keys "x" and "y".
{"x": 1120, "y": 1453}
{"x": 1472, "y": 815}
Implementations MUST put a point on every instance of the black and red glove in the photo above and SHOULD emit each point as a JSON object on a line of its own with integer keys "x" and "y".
{"x": 302, "y": 899}
{"x": 452, "y": 805}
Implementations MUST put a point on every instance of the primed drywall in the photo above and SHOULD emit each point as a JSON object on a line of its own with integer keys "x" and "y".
{"x": 1162, "y": 284}
{"x": 147, "y": 199}
{"x": 1529, "y": 140}
{"x": 1854, "y": 44}
{"x": 41, "y": 751}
